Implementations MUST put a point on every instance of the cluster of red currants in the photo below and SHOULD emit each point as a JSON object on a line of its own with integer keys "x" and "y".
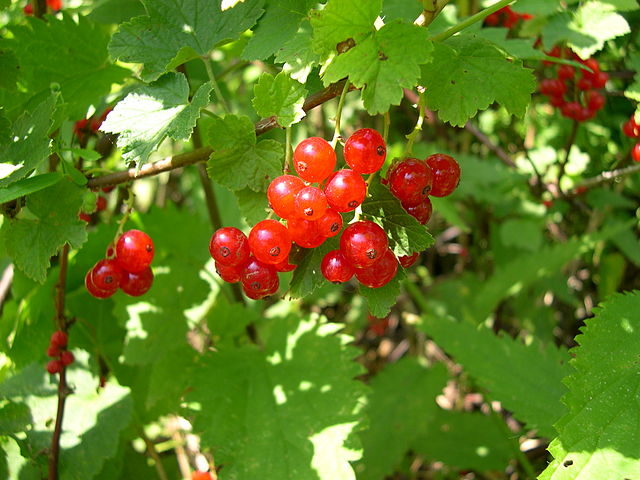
{"x": 506, "y": 17}
{"x": 127, "y": 267}
{"x": 58, "y": 352}
{"x": 632, "y": 130}
{"x": 577, "y": 98}
{"x": 312, "y": 213}
{"x": 89, "y": 126}
{"x": 55, "y": 5}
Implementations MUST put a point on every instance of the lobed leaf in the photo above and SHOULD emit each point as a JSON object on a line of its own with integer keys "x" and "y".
{"x": 279, "y": 96}
{"x": 468, "y": 74}
{"x": 598, "y": 436}
{"x": 144, "y": 118}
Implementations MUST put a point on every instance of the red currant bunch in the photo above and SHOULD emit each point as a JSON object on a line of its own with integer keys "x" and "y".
{"x": 577, "y": 97}
{"x": 506, "y": 17}
{"x": 311, "y": 204}
{"x": 61, "y": 357}
{"x": 632, "y": 130}
{"x": 127, "y": 267}
{"x": 87, "y": 127}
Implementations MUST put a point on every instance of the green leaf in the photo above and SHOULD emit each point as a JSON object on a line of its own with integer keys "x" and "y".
{"x": 394, "y": 429}
{"x": 238, "y": 161}
{"x": 400, "y": 10}
{"x": 522, "y": 233}
{"x": 633, "y": 63}
{"x": 278, "y": 25}
{"x": 405, "y": 233}
{"x": 253, "y": 205}
{"x": 307, "y": 276}
{"x": 598, "y": 437}
{"x": 587, "y": 28}
{"x": 527, "y": 379}
{"x": 70, "y": 52}
{"x": 10, "y": 69}
{"x": 380, "y": 300}
{"x": 468, "y": 441}
{"x": 468, "y": 74}
{"x": 29, "y": 142}
{"x": 298, "y": 388}
{"x": 89, "y": 439}
{"x": 14, "y": 418}
{"x": 382, "y": 65}
{"x": 520, "y": 48}
{"x": 144, "y": 118}
{"x": 30, "y": 185}
{"x": 298, "y": 55}
{"x": 342, "y": 20}
{"x": 54, "y": 221}
{"x": 280, "y": 96}
{"x": 173, "y": 33}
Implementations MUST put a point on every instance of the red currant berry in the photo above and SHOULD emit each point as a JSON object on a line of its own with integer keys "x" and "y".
{"x": 584, "y": 83}
{"x": 408, "y": 260}
{"x": 566, "y": 72}
{"x": 281, "y": 194}
{"x": 66, "y": 358}
{"x": 53, "y": 351}
{"x": 314, "y": 159}
{"x": 136, "y": 284}
{"x": 253, "y": 295}
{"x": 380, "y": 273}
{"x": 336, "y": 268}
{"x": 95, "y": 291}
{"x": 229, "y": 246}
{"x": 363, "y": 243}
{"x": 591, "y": 63}
{"x": 571, "y": 110}
{"x": 134, "y": 251}
{"x": 270, "y": 241}
{"x": 85, "y": 217}
{"x": 101, "y": 204}
{"x": 108, "y": 189}
{"x": 557, "y": 101}
{"x": 200, "y": 475}
{"x": 107, "y": 274}
{"x": 492, "y": 20}
{"x": 345, "y": 190}
{"x": 599, "y": 80}
{"x": 365, "y": 151}
{"x": 421, "y": 212}
{"x": 229, "y": 274}
{"x": 595, "y": 100}
{"x": 446, "y": 174}
{"x": 635, "y": 152}
{"x": 553, "y": 86}
{"x": 54, "y": 366}
{"x": 630, "y": 129}
{"x": 301, "y": 229}
{"x": 28, "y": 9}
{"x": 311, "y": 203}
{"x": 285, "y": 266}
{"x": 59, "y": 339}
{"x": 410, "y": 181}
{"x": 330, "y": 224}
{"x": 258, "y": 277}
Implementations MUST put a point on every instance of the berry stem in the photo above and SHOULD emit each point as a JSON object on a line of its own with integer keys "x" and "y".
{"x": 343, "y": 95}
{"x": 153, "y": 453}
{"x": 287, "y": 150}
{"x": 127, "y": 213}
{"x": 216, "y": 88}
{"x": 411, "y": 138}
{"x": 481, "y": 15}
{"x": 567, "y": 149}
{"x": 430, "y": 10}
{"x": 63, "y": 390}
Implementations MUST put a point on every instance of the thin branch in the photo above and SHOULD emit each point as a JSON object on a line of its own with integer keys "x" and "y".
{"x": 63, "y": 390}
{"x": 431, "y": 9}
{"x": 202, "y": 154}
{"x": 214, "y": 84}
{"x": 5, "y": 284}
{"x": 486, "y": 141}
{"x": 604, "y": 177}
{"x": 153, "y": 453}
{"x": 343, "y": 95}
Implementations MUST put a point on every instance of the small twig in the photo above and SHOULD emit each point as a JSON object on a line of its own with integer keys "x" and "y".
{"x": 63, "y": 390}
{"x": 486, "y": 141}
{"x": 431, "y": 9}
{"x": 39, "y": 8}
{"x": 604, "y": 177}
{"x": 5, "y": 284}
{"x": 201, "y": 155}
{"x": 343, "y": 95}
{"x": 214, "y": 84}
{"x": 567, "y": 149}
{"x": 411, "y": 137}
{"x": 153, "y": 453}
{"x": 287, "y": 150}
